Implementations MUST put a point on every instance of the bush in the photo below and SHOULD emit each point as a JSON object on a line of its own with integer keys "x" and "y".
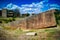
{"x": 13, "y": 19}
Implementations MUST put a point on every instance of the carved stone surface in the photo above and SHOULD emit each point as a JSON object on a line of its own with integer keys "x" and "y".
{"x": 41, "y": 20}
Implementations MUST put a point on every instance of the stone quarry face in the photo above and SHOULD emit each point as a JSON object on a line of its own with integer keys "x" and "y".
{"x": 41, "y": 20}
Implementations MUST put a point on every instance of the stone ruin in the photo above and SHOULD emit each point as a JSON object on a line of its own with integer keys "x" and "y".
{"x": 41, "y": 20}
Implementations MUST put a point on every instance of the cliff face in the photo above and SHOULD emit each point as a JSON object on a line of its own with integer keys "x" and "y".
{"x": 41, "y": 20}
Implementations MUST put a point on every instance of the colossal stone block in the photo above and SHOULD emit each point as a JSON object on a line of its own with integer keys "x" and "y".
{"x": 41, "y": 20}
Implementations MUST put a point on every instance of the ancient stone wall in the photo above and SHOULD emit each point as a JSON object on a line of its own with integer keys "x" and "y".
{"x": 41, "y": 20}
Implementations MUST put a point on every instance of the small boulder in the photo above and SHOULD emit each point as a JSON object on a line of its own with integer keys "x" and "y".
{"x": 32, "y": 33}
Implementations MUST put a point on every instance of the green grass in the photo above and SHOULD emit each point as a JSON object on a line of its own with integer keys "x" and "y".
{"x": 6, "y": 20}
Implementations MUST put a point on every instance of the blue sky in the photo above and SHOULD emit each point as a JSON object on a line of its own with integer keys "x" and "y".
{"x": 30, "y": 6}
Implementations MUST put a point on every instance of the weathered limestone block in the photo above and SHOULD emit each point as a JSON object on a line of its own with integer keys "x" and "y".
{"x": 32, "y": 33}
{"x": 41, "y": 20}
{"x": 22, "y": 24}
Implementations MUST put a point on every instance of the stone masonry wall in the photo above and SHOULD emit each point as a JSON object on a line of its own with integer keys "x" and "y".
{"x": 41, "y": 20}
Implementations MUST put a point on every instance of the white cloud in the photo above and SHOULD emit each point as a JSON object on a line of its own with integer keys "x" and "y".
{"x": 54, "y": 5}
{"x": 34, "y": 7}
{"x": 12, "y": 6}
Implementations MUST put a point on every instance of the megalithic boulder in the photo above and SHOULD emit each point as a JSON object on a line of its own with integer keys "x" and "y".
{"x": 41, "y": 20}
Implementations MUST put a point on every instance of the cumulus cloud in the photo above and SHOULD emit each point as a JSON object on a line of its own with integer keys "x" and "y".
{"x": 54, "y": 5}
{"x": 12, "y": 6}
{"x": 34, "y": 7}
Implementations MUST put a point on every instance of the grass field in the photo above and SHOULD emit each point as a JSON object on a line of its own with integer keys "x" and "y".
{"x": 6, "y": 20}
